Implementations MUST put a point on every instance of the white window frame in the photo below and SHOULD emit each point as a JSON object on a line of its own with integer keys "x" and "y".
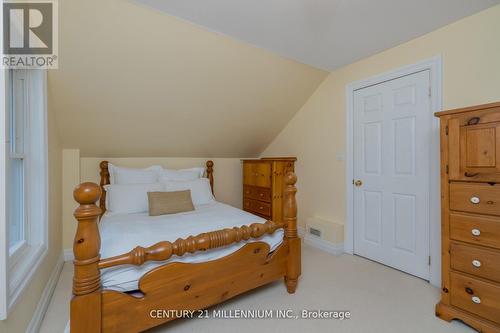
{"x": 18, "y": 267}
{"x": 4, "y": 243}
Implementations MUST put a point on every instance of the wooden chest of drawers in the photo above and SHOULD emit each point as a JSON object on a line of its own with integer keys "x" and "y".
{"x": 470, "y": 186}
{"x": 263, "y": 186}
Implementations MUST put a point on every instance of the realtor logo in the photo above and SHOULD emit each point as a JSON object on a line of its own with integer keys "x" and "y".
{"x": 29, "y": 34}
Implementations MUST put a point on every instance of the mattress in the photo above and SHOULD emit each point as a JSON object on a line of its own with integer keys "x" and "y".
{"x": 120, "y": 233}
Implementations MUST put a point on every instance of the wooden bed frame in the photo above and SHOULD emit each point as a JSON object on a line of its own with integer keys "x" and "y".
{"x": 174, "y": 286}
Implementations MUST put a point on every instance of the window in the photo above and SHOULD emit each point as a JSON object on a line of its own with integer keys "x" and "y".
{"x": 26, "y": 212}
{"x": 17, "y": 128}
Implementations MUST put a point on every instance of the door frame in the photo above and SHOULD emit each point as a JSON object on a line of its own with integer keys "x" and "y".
{"x": 434, "y": 65}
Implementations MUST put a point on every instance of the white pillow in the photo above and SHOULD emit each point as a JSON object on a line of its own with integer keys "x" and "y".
{"x": 129, "y": 198}
{"x": 201, "y": 192}
{"x": 183, "y": 174}
{"x": 121, "y": 175}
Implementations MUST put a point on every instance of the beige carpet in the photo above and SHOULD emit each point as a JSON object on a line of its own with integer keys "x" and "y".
{"x": 379, "y": 298}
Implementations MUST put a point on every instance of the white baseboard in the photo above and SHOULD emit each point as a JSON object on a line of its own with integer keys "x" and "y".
{"x": 324, "y": 245}
{"x": 301, "y": 231}
{"x": 319, "y": 243}
{"x": 68, "y": 255}
{"x": 43, "y": 303}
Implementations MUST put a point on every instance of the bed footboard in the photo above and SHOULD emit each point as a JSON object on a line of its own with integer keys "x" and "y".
{"x": 175, "y": 286}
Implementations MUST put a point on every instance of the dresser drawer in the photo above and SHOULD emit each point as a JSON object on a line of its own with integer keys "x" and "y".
{"x": 477, "y": 261}
{"x": 247, "y": 204}
{"x": 257, "y": 193}
{"x": 260, "y": 207}
{"x": 263, "y": 194}
{"x": 475, "y": 296}
{"x": 475, "y": 198}
{"x": 474, "y": 229}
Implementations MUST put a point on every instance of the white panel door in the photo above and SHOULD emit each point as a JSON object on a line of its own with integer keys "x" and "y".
{"x": 392, "y": 136}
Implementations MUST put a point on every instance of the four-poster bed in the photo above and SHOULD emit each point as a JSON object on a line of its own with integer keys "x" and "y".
{"x": 175, "y": 285}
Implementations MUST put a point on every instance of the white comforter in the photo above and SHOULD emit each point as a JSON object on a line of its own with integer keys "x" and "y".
{"x": 121, "y": 233}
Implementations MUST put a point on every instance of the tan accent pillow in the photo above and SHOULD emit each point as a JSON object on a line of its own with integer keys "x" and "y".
{"x": 162, "y": 203}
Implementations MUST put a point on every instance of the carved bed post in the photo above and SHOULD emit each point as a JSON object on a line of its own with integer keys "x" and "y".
{"x": 210, "y": 174}
{"x": 293, "y": 268}
{"x": 86, "y": 301}
{"x": 104, "y": 173}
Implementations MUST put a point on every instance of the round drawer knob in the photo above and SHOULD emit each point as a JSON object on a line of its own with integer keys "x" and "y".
{"x": 476, "y": 232}
{"x": 476, "y": 300}
{"x": 475, "y": 200}
{"x": 476, "y": 263}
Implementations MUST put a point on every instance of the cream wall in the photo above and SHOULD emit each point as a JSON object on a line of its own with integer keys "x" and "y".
{"x": 71, "y": 178}
{"x": 20, "y": 316}
{"x": 470, "y": 50}
{"x": 227, "y": 179}
{"x": 168, "y": 87}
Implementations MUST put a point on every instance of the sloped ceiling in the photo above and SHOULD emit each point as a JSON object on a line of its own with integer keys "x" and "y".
{"x": 324, "y": 33}
{"x": 134, "y": 81}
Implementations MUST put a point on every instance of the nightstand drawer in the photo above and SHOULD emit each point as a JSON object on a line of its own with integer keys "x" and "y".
{"x": 474, "y": 229}
{"x": 475, "y": 198}
{"x": 475, "y": 296}
{"x": 477, "y": 261}
{"x": 257, "y": 193}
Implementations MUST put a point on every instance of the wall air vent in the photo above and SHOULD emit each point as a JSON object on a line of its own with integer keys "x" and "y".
{"x": 315, "y": 232}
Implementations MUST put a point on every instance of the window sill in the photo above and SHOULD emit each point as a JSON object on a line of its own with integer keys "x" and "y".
{"x": 23, "y": 270}
{"x": 17, "y": 252}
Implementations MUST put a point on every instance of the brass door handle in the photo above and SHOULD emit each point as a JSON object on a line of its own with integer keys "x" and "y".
{"x": 358, "y": 183}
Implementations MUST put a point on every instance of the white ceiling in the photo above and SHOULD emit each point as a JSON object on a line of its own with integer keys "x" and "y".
{"x": 323, "y": 33}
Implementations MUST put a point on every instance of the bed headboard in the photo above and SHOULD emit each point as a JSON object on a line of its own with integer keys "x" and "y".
{"x": 105, "y": 180}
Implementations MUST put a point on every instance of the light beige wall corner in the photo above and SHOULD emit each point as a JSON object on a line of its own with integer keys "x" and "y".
{"x": 470, "y": 50}
{"x": 21, "y": 315}
{"x": 227, "y": 179}
{"x": 70, "y": 179}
